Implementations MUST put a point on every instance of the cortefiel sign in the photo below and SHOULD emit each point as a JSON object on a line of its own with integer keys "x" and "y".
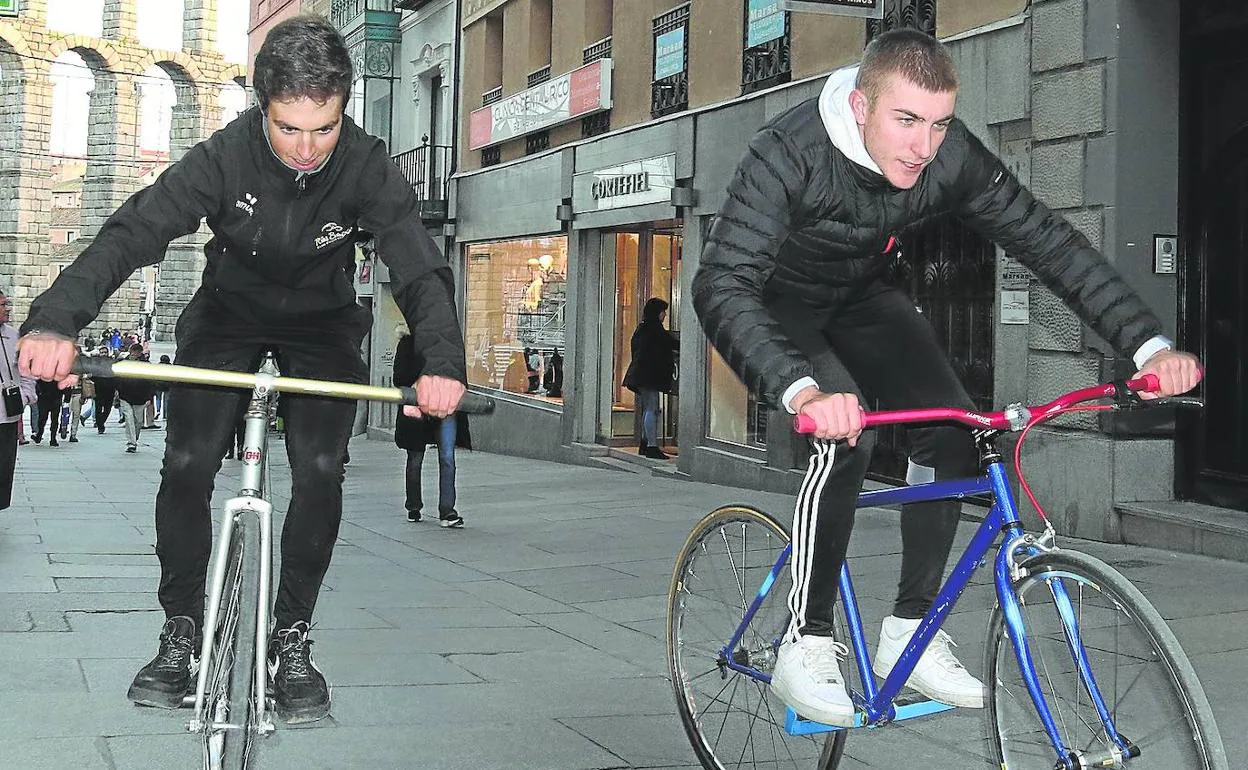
{"x": 867, "y": 9}
{"x": 635, "y": 183}
{"x": 10, "y": 7}
{"x": 571, "y": 95}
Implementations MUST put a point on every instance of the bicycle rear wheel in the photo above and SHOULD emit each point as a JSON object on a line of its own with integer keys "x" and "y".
{"x": 1147, "y": 681}
{"x": 732, "y": 719}
{"x": 231, "y": 673}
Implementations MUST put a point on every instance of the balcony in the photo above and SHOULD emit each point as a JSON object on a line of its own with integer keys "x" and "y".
{"x": 411, "y": 5}
{"x": 344, "y": 13}
{"x": 427, "y": 169}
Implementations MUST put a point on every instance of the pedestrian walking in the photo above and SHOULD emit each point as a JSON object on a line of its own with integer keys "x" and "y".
{"x": 414, "y": 435}
{"x": 651, "y": 371}
{"x": 17, "y": 391}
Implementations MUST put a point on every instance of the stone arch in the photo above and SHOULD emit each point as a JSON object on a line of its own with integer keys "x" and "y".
{"x": 103, "y": 53}
{"x": 188, "y": 109}
{"x": 15, "y": 197}
{"x": 11, "y": 38}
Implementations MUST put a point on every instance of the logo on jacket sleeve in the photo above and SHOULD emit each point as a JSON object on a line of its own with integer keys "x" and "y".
{"x": 247, "y": 203}
{"x": 331, "y": 233}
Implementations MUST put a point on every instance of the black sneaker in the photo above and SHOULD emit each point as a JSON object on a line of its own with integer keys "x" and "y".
{"x": 413, "y": 515}
{"x": 300, "y": 693}
{"x": 451, "y": 520}
{"x": 167, "y": 679}
{"x": 653, "y": 452}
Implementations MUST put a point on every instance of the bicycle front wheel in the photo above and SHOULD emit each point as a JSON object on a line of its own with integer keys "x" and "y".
{"x": 1148, "y": 685}
{"x": 732, "y": 718}
{"x": 231, "y": 667}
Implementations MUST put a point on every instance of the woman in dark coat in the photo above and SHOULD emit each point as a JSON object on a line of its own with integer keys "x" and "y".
{"x": 651, "y": 372}
{"x": 415, "y": 433}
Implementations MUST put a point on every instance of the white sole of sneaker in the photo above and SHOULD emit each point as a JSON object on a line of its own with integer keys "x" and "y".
{"x": 813, "y": 711}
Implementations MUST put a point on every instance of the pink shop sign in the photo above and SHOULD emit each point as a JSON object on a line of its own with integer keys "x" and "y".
{"x": 574, "y": 94}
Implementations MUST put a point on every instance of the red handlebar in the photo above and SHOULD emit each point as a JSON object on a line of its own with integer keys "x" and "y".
{"x": 998, "y": 420}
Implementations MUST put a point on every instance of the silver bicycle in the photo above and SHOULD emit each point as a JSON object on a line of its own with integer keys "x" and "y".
{"x": 231, "y": 704}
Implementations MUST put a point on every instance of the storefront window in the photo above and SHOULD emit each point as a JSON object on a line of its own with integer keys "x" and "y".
{"x": 515, "y": 298}
{"x": 733, "y": 413}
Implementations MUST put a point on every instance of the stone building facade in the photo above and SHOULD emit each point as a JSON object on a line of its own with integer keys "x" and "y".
{"x": 28, "y": 49}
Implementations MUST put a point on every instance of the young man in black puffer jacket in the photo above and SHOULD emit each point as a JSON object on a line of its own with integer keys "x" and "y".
{"x": 790, "y": 292}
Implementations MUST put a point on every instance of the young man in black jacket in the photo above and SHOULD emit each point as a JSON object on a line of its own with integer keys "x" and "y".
{"x": 284, "y": 188}
{"x": 789, "y": 291}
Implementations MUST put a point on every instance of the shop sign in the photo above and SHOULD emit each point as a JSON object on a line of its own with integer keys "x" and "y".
{"x": 765, "y": 22}
{"x": 649, "y": 180}
{"x": 1015, "y": 292}
{"x": 870, "y": 9}
{"x": 10, "y": 7}
{"x": 669, "y": 53}
{"x": 571, "y": 95}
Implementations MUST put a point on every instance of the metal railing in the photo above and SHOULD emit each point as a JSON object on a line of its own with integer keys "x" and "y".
{"x": 493, "y": 95}
{"x": 343, "y": 12}
{"x": 427, "y": 169}
{"x": 595, "y": 51}
{"x": 539, "y": 76}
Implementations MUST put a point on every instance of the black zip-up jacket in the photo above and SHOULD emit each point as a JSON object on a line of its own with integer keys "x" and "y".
{"x": 282, "y": 246}
{"x": 805, "y": 227}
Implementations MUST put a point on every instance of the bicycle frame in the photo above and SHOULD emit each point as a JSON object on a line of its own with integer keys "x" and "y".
{"x": 876, "y": 703}
{"x": 250, "y": 501}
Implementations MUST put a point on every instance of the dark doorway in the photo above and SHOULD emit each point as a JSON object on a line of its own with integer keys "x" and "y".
{"x": 1213, "y": 445}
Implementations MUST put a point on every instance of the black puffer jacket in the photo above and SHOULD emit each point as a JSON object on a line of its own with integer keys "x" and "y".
{"x": 803, "y": 224}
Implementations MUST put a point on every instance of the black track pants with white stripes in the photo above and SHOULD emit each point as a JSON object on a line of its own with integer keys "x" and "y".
{"x": 882, "y": 349}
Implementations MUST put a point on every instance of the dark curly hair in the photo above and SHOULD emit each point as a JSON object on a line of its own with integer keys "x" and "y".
{"x": 303, "y": 56}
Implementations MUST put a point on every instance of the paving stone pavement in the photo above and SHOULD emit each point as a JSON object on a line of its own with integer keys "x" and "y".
{"x": 533, "y": 638}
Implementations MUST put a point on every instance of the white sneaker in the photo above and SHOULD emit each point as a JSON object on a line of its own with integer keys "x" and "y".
{"x": 808, "y": 678}
{"x": 939, "y": 675}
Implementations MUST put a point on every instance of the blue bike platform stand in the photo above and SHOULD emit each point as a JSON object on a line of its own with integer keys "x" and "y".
{"x": 796, "y": 725}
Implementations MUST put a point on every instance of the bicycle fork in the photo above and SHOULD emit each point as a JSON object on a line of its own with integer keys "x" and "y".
{"x": 1007, "y": 568}
{"x": 237, "y": 511}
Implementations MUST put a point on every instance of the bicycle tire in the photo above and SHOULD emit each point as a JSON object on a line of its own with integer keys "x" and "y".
{"x": 231, "y": 674}
{"x": 735, "y": 721}
{"x": 1147, "y": 681}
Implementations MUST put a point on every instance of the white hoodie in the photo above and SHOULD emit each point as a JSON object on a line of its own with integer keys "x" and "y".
{"x": 838, "y": 117}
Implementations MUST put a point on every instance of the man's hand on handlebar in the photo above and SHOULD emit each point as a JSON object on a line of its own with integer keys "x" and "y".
{"x": 47, "y": 356}
{"x": 435, "y": 396}
{"x": 837, "y": 415}
{"x": 1177, "y": 373}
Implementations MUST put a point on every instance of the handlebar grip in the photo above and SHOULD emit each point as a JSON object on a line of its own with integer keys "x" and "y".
{"x": 89, "y": 366}
{"x": 1146, "y": 384}
{"x": 475, "y": 403}
{"x": 471, "y": 403}
{"x": 803, "y": 424}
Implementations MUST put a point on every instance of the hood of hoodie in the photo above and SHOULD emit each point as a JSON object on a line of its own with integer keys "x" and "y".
{"x": 838, "y": 118}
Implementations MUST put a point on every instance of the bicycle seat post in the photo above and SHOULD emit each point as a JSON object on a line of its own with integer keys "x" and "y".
{"x": 256, "y": 429}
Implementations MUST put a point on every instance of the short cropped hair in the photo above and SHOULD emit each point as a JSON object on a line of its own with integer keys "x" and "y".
{"x": 303, "y": 56}
{"x": 916, "y": 56}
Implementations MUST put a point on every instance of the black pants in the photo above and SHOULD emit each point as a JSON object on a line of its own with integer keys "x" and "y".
{"x": 201, "y": 426}
{"x": 880, "y": 348}
{"x": 8, "y": 461}
{"x": 105, "y": 393}
{"x": 49, "y": 412}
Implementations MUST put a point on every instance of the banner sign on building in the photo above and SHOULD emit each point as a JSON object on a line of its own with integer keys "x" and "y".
{"x": 10, "y": 7}
{"x": 571, "y": 95}
{"x": 669, "y": 53}
{"x": 868, "y": 9}
{"x": 765, "y": 22}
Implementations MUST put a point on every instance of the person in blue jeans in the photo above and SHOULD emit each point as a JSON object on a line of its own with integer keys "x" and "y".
{"x": 414, "y": 434}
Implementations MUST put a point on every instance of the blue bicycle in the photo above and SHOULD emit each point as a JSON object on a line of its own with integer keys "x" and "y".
{"x": 1080, "y": 669}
